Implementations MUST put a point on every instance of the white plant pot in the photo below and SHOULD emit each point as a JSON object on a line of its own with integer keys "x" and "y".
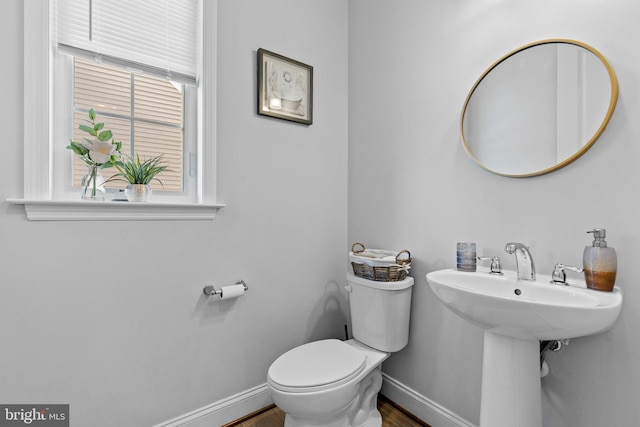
{"x": 138, "y": 192}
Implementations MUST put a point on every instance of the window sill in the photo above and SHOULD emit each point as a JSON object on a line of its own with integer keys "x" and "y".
{"x": 82, "y": 210}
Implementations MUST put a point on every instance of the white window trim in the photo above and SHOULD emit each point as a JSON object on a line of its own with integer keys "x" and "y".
{"x": 38, "y": 201}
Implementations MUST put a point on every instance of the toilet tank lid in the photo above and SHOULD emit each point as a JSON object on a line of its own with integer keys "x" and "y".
{"x": 388, "y": 286}
{"x": 317, "y": 364}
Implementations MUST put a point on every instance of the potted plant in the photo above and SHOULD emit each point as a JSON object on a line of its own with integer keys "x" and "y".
{"x": 139, "y": 174}
{"x": 98, "y": 151}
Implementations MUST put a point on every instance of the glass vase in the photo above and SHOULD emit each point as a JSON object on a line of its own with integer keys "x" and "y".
{"x": 92, "y": 184}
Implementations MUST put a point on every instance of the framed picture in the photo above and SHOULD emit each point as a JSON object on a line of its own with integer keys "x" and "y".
{"x": 285, "y": 88}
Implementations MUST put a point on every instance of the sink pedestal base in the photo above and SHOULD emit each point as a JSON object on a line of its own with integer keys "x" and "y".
{"x": 511, "y": 390}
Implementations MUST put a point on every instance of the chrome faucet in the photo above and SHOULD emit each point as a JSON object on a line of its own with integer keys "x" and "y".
{"x": 524, "y": 261}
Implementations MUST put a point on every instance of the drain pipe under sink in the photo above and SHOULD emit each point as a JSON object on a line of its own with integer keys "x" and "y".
{"x": 552, "y": 345}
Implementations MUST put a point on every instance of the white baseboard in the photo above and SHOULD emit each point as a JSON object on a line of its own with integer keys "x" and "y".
{"x": 231, "y": 408}
{"x": 420, "y": 406}
{"x": 224, "y": 411}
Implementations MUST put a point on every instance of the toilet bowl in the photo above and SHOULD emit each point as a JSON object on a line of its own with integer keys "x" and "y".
{"x": 333, "y": 383}
{"x": 327, "y": 383}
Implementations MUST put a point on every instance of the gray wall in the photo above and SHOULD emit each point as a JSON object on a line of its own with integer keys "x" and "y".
{"x": 124, "y": 334}
{"x": 411, "y": 185}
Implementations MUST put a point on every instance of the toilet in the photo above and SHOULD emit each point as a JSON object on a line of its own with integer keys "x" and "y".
{"x": 333, "y": 383}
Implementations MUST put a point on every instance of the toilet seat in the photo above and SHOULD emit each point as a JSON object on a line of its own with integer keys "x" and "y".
{"x": 316, "y": 366}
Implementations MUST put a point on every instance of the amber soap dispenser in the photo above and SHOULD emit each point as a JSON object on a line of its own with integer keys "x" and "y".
{"x": 600, "y": 262}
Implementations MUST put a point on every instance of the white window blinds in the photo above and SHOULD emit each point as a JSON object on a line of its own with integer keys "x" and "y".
{"x": 153, "y": 36}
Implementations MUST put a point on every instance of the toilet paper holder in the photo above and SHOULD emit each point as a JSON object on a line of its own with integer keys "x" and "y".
{"x": 210, "y": 290}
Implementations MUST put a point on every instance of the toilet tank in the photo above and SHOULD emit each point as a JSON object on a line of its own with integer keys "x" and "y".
{"x": 380, "y": 312}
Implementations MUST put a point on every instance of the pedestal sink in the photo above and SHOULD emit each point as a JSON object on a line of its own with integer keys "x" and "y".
{"x": 516, "y": 315}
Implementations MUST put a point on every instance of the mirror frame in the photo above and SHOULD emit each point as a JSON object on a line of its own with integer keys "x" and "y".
{"x": 585, "y": 147}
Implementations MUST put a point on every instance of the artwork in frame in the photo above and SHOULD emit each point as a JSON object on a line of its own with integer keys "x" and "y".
{"x": 285, "y": 88}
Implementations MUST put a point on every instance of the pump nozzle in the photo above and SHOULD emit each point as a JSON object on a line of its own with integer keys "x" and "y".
{"x": 599, "y": 235}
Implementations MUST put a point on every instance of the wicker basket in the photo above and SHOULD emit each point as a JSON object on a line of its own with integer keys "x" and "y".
{"x": 378, "y": 264}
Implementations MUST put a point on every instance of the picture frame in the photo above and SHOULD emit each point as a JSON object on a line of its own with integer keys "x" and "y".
{"x": 285, "y": 88}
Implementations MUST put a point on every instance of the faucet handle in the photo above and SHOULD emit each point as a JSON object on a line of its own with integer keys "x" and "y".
{"x": 559, "y": 277}
{"x": 496, "y": 267}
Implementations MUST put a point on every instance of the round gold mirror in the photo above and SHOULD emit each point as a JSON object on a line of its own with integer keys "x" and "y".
{"x": 538, "y": 108}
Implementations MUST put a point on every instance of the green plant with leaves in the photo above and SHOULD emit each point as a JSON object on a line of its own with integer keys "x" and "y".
{"x": 99, "y": 150}
{"x": 136, "y": 171}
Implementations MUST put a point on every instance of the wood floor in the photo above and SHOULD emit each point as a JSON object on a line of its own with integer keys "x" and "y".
{"x": 392, "y": 416}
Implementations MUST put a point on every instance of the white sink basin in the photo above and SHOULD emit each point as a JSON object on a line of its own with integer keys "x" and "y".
{"x": 516, "y": 315}
{"x": 526, "y": 309}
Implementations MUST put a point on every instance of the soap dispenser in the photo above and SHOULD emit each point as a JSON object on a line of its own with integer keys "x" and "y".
{"x": 600, "y": 262}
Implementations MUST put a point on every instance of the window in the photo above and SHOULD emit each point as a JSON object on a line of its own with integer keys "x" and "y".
{"x": 144, "y": 112}
{"x": 42, "y": 141}
{"x": 140, "y": 82}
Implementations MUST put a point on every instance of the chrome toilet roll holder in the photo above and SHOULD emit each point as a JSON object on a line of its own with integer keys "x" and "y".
{"x": 210, "y": 290}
